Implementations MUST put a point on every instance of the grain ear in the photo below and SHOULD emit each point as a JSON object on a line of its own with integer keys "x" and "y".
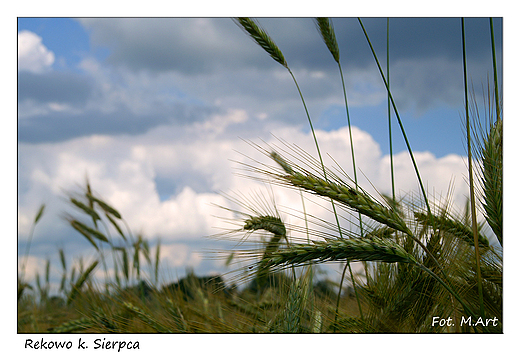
{"x": 260, "y": 36}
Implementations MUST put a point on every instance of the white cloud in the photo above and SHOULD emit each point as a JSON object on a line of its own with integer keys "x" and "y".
{"x": 33, "y": 265}
{"x": 32, "y": 54}
{"x": 179, "y": 255}
{"x": 219, "y": 122}
{"x": 123, "y": 171}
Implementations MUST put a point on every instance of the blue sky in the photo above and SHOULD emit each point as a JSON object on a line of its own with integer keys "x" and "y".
{"x": 71, "y": 42}
{"x": 154, "y": 110}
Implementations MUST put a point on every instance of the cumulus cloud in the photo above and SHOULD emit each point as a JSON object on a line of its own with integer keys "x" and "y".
{"x": 33, "y": 56}
{"x": 215, "y": 47}
{"x": 124, "y": 172}
{"x": 156, "y": 125}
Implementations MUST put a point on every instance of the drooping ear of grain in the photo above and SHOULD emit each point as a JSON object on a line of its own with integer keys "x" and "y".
{"x": 85, "y": 233}
{"x": 273, "y": 225}
{"x": 84, "y": 229}
{"x": 116, "y": 226}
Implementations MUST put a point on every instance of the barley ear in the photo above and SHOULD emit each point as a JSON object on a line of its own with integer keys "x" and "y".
{"x": 81, "y": 280}
{"x": 146, "y": 318}
{"x": 273, "y": 225}
{"x": 329, "y": 37}
{"x": 86, "y": 209}
{"x": 353, "y": 249}
{"x": 88, "y": 231}
{"x": 106, "y": 208}
{"x": 261, "y": 38}
{"x": 73, "y": 325}
{"x": 39, "y": 214}
{"x": 455, "y": 227}
{"x": 346, "y": 195}
{"x": 492, "y": 179}
{"x": 177, "y": 316}
{"x": 280, "y": 161}
{"x": 117, "y": 227}
{"x": 86, "y": 234}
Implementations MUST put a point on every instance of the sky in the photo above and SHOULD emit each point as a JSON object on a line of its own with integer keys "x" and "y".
{"x": 160, "y": 114}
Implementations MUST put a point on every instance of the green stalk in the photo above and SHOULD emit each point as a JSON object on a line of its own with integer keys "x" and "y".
{"x": 447, "y": 287}
{"x": 409, "y": 151}
{"x": 329, "y": 37}
{"x": 471, "y": 182}
{"x": 31, "y": 234}
{"x": 398, "y": 117}
{"x": 351, "y": 140}
{"x": 388, "y": 107}
{"x": 359, "y": 214}
{"x": 495, "y": 74}
{"x": 317, "y": 147}
{"x": 263, "y": 39}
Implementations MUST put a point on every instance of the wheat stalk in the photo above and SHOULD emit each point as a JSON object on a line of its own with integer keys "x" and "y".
{"x": 328, "y": 35}
{"x": 28, "y": 247}
{"x": 177, "y": 316}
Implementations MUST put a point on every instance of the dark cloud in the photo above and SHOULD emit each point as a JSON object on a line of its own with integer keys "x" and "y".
{"x": 425, "y": 54}
{"x": 192, "y": 45}
{"x": 187, "y": 45}
{"x": 410, "y": 38}
{"x": 205, "y": 46}
{"x": 54, "y": 87}
{"x": 61, "y": 126}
